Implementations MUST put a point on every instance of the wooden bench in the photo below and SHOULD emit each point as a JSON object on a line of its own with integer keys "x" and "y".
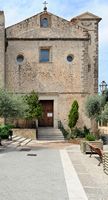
{"x": 97, "y": 150}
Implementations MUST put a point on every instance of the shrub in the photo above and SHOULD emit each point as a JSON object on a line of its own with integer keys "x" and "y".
{"x": 77, "y": 132}
{"x": 90, "y": 137}
{"x": 86, "y": 131}
{"x": 5, "y": 131}
{"x": 73, "y": 115}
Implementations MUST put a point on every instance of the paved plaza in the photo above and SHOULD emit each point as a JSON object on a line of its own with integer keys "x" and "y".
{"x": 50, "y": 171}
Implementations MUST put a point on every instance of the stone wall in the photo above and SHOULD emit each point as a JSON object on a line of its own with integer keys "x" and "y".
{"x": 27, "y": 133}
{"x": 59, "y": 80}
{"x": 2, "y": 50}
{"x": 90, "y": 23}
{"x": 56, "y": 76}
{"x": 103, "y": 129}
{"x": 65, "y": 106}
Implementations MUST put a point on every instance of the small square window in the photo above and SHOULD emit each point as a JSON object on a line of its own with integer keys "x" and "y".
{"x": 44, "y": 23}
{"x": 44, "y": 55}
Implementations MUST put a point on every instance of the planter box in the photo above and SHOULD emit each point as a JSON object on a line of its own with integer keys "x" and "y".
{"x": 85, "y": 148}
{"x": 26, "y": 133}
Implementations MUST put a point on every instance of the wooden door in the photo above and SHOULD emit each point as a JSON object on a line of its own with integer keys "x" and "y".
{"x": 47, "y": 117}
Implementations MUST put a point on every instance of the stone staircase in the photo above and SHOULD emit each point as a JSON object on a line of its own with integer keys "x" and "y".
{"x": 16, "y": 141}
{"x": 21, "y": 141}
{"x": 50, "y": 134}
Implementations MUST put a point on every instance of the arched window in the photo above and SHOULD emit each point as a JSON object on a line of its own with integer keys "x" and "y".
{"x": 44, "y": 22}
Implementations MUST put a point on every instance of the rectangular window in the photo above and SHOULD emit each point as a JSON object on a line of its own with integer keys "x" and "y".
{"x": 44, "y": 55}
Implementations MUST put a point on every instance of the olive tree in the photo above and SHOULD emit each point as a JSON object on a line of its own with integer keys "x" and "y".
{"x": 93, "y": 107}
{"x": 11, "y": 105}
{"x": 34, "y": 110}
{"x": 96, "y": 107}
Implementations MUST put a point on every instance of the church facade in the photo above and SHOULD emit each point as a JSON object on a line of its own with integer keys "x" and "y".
{"x": 55, "y": 57}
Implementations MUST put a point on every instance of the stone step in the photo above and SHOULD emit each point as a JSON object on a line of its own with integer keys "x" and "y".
{"x": 50, "y": 138}
{"x": 16, "y": 138}
{"x": 14, "y": 144}
{"x": 45, "y": 135}
{"x": 50, "y": 134}
{"x": 19, "y": 141}
{"x": 26, "y": 142}
{"x": 49, "y": 131}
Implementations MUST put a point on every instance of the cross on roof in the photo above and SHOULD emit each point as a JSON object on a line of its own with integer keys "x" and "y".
{"x": 45, "y": 5}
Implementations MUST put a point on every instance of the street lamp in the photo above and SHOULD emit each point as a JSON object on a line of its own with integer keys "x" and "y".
{"x": 103, "y": 86}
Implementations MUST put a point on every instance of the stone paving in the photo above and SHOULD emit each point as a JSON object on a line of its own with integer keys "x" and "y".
{"x": 32, "y": 177}
{"x": 42, "y": 177}
{"x": 92, "y": 177}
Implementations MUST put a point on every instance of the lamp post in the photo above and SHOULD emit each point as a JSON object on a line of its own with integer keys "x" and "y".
{"x": 103, "y": 87}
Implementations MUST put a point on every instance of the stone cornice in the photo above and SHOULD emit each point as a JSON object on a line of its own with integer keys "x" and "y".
{"x": 48, "y": 39}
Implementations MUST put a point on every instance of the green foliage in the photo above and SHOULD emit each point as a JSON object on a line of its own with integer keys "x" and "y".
{"x": 93, "y": 106}
{"x": 106, "y": 95}
{"x": 97, "y": 107}
{"x": 76, "y": 132}
{"x": 5, "y": 131}
{"x": 79, "y": 133}
{"x": 82, "y": 133}
{"x": 90, "y": 137}
{"x": 64, "y": 131}
{"x": 11, "y": 105}
{"x": 104, "y": 114}
{"x": 34, "y": 110}
{"x": 73, "y": 115}
{"x": 86, "y": 131}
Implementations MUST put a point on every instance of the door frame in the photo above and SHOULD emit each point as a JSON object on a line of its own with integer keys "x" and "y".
{"x": 46, "y": 118}
{"x": 55, "y": 106}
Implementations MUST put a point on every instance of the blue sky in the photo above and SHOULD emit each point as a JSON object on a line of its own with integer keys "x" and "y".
{"x": 17, "y": 10}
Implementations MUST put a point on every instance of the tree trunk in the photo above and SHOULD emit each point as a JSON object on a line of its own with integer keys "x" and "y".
{"x": 0, "y": 142}
{"x": 94, "y": 127}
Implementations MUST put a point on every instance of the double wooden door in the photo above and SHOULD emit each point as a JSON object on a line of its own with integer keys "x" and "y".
{"x": 47, "y": 117}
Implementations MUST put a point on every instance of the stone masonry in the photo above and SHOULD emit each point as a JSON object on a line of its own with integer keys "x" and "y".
{"x": 58, "y": 80}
